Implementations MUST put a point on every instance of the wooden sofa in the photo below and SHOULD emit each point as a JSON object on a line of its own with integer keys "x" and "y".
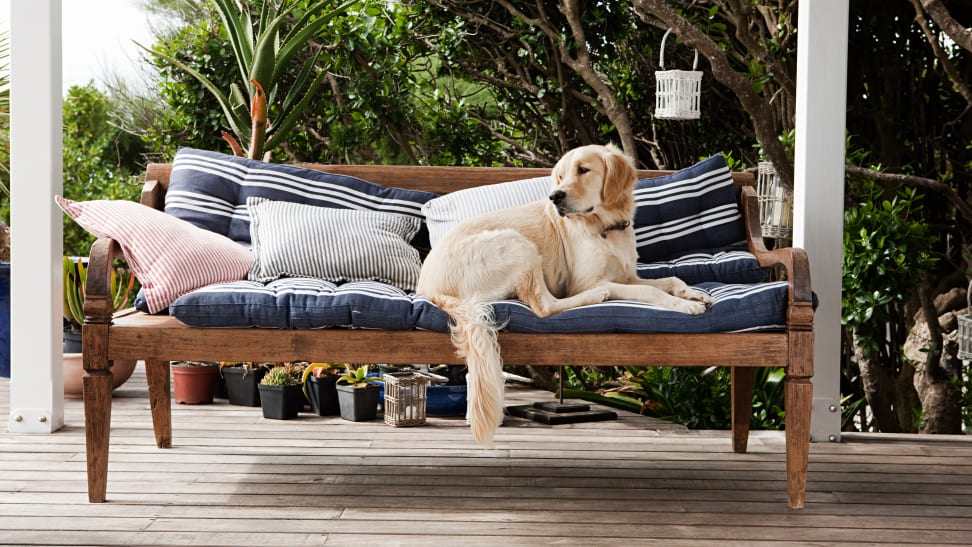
{"x": 159, "y": 339}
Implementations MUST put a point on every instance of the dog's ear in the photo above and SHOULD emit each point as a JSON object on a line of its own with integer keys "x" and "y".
{"x": 619, "y": 177}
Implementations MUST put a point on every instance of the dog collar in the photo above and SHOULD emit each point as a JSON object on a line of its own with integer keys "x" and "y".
{"x": 621, "y": 225}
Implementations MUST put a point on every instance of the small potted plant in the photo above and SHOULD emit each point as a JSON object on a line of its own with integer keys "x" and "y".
{"x": 242, "y": 380}
{"x": 193, "y": 382}
{"x": 358, "y": 394}
{"x": 319, "y": 381}
{"x": 281, "y": 395}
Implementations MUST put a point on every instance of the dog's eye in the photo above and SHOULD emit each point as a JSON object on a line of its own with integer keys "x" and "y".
{"x": 582, "y": 170}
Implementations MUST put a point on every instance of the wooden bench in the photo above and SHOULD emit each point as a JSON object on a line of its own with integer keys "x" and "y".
{"x": 160, "y": 339}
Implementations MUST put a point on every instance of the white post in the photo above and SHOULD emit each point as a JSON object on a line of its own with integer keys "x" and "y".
{"x": 819, "y": 189}
{"x": 36, "y": 286}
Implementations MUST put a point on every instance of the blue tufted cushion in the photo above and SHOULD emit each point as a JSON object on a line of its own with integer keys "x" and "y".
{"x": 313, "y": 303}
{"x": 733, "y": 264}
{"x": 210, "y": 189}
{"x": 693, "y": 208}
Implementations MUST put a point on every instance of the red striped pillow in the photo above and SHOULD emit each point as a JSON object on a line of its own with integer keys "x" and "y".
{"x": 169, "y": 256}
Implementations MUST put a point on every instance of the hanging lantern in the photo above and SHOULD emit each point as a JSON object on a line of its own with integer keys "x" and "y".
{"x": 677, "y": 92}
{"x": 965, "y": 329}
{"x": 775, "y": 205}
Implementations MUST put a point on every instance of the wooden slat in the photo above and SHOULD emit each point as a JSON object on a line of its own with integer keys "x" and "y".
{"x": 234, "y": 478}
{"x": 141, "y": 336}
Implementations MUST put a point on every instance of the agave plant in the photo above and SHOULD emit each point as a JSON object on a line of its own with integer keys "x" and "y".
{"x": 75, "y": 277}
{"x": 263, "y": 53}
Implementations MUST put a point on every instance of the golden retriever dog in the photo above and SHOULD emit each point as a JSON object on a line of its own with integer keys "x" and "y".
{"x": 574, "y": 249}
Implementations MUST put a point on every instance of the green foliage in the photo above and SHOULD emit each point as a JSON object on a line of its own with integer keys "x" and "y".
{"x": 887, "y": 252}
{"x": 100, "y": 160}
{"x": 358, "y": 377}
{"x": 75, "y": 277}
{"x": 698, "y": 398}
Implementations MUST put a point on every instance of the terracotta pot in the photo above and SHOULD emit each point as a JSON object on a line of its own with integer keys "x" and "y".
{"x": 73, "y": 373}
{"x": 193, "y": 385}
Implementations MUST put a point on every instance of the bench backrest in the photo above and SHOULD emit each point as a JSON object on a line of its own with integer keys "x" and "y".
{"x": 438, "y": 179}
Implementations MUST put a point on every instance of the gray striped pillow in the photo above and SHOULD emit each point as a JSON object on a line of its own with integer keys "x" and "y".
{"x": 337, "y": 245}
{"x": 444, "y": 212}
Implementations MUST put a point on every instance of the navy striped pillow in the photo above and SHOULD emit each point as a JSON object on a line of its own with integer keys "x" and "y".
{"x": 694, "y": 208}
{"x": 210, "y": 190}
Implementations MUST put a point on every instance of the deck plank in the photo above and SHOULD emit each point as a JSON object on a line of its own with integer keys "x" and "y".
{"x": 234, "y": 478}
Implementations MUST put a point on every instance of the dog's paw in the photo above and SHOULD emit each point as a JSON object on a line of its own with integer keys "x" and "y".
{"x": 695, "y": 296}
{"x": 691, "y": 307}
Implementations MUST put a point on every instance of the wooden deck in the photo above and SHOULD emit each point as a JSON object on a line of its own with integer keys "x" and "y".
{"x": 234, "y": 478}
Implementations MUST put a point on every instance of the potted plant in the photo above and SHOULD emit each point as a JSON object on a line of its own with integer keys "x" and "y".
{"x": 358, "y": 394}
{"x": 193, "y": 382}
{"x": 281, "y": 395}
{"x": 242, "y": 381}
{"x": 75, "y": 277}
{"x": 319, "y": 380}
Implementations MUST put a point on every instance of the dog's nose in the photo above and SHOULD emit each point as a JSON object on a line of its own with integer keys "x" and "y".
{"x": 557, "y": 196}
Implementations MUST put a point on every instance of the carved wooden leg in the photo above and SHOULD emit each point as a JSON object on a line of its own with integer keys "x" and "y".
{"x": 157, "y": 375}
{"x": 742, "y": 406}
{"x": 97, "y": 408}
{"x": 799, "y": 398}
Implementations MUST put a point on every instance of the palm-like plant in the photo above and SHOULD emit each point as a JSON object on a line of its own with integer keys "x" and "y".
{"x": 263, "y": 53}
{"x": 75, "y": 279}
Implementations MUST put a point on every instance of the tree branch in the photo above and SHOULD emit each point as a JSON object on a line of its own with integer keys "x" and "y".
{"x": 940, "y": 54}
{"x": 938, "y": 187}
{"x": 955, "y": 30}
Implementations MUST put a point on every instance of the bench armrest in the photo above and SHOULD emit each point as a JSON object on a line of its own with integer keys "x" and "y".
{"x": 98, "y": 302}
{"x": 793, "y": 260}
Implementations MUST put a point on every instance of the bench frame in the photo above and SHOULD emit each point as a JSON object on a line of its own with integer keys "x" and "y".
{"x": 160, "y": 339}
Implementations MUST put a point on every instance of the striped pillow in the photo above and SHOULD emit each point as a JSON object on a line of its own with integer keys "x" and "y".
{"x": 210, "y": 190}
{"x": 694, "y": 208}
{"x": 444, "y": 212}
{"x": 168, "y": 256}
{"x": 338, "y": 245}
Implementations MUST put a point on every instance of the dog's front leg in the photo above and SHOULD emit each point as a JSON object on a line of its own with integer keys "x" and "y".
{"x": 648, "y": 292}
{"x": 676, "y": 287}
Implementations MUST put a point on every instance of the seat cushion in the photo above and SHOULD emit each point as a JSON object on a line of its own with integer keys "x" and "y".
{"x": 210, "y": 189}
{"x": 314, "y": 303}
{"x": 732, "y": 264}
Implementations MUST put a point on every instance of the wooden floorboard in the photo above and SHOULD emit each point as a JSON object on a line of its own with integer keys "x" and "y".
{"x": 235, "y": 478}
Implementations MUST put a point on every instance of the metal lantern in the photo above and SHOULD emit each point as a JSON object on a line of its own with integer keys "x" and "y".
{"x": 678, "y": 92}
{"x": 775, "y": 203}
{"x": 405, "y": 398}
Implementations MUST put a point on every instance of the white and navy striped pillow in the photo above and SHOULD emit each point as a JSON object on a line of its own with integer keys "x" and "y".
{"x": 210, "y": 190}
{"x": 444, "y": 212}
{"x": 338, "y": 245}
{"x": 694, "y": 208}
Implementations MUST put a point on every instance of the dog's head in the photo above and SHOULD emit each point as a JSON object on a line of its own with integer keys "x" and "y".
{"x": 594, "y": 179}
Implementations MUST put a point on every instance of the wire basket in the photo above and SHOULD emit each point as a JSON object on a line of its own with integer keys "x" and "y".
{"x": 405, "y": 398}
{"x": 678, "y": 92}
{"x": 965, "y": 329}
{"x": 775, "y": 205}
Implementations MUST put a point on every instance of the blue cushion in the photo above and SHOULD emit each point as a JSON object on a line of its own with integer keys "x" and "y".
{"x": 210, "y": 189}
{"x": 313, "y": 303}
{"x": 694, "y": 208}
{"x": 725, "y": 265}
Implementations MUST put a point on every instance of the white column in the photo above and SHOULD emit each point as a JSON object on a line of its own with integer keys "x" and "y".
{"x": 36, "y": 290}
{"x": 819, "y": 189}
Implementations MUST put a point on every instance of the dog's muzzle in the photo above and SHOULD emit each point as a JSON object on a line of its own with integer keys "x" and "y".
{"x": 558, "y": 197}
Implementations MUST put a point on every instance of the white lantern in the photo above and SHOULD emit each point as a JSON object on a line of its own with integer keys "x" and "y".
{"x": 775, "y": 203}
{"x": 678, "y": 92}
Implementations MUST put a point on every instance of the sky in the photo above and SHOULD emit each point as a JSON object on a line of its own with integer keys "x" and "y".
{"x": 97, "y": 38}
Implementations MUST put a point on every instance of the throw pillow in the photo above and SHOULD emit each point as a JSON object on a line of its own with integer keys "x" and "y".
{"x": 168, "y": 256}
{"x": 210, "y": 190}
{"x": 693, "y": 208}
{"x": 297, "y": 240}
{"x": 444, "y": 212}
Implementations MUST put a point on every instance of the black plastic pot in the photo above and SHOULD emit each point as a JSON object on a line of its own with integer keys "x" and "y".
{"x": 242, "y": 385}
{"x": 323, "y": 395}
{"x": 359, "y": 404}
{"x": 281, "y": 402}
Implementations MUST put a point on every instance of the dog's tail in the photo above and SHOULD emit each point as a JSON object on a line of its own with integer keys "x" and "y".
{"x": 474, "y": 336}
